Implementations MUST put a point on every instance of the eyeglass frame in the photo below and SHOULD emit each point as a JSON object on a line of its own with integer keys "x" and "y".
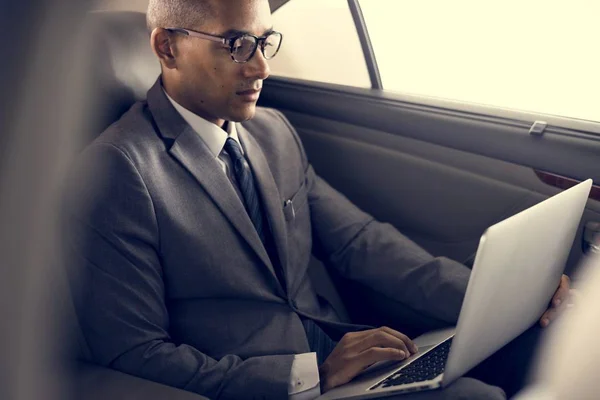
{"x": 259, "y": 40}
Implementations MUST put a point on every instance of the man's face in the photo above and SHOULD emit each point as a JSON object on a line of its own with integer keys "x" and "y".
{"x": 208, "y": 81}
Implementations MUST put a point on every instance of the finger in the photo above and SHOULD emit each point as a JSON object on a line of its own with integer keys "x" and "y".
{"x": 351, "y": 338}
{"x": 359, "y": 335}
{"x": 377, "y": 354}
{"x": 562, "y": 293}
{"x": 384, "y": 339}
{"x": 409, "y": 343}
{"x": 380, "y": 338}
{"x": 549, "y": 316}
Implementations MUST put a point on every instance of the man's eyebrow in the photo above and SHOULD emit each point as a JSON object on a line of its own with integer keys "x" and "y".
{"x": 236, "y": 32}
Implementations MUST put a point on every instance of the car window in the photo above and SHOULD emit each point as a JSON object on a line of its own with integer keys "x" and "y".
{"x": 320, "y": 43}
{"x": 534, "y": 55}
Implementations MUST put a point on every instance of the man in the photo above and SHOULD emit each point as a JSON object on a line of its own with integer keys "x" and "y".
{"x": 193, "y": 244}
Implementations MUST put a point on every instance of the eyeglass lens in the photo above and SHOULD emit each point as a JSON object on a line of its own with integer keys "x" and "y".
{"x": 244, "y": 46}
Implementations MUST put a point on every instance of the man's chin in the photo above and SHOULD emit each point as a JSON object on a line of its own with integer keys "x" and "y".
{"x": 245, "y": 113}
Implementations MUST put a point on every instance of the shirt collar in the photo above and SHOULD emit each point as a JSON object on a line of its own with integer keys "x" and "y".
{"x": 211, "y": 134}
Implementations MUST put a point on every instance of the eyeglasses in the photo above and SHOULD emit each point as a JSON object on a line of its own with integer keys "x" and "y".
{"x": 242, "y": 47}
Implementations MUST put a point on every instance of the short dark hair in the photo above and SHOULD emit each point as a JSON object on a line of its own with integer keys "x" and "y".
{"x": 189, "y": 14}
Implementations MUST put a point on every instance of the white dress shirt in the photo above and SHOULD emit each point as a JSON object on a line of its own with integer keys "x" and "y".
{"x": 304, "y": 376}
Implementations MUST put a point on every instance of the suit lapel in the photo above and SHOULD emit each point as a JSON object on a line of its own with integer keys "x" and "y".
{"x": 268, "y": 189}
{"x": 193, "y": 154}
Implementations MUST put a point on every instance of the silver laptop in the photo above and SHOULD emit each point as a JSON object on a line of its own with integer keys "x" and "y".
{"x": 517, "y": 269}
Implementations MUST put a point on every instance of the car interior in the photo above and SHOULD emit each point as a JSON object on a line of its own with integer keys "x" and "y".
{"x": 439, "y": 171}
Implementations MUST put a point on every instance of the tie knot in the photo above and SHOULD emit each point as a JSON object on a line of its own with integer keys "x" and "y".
{"x": 233, "y": 149}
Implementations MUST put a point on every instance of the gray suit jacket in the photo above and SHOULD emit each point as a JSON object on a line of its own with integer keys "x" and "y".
{"x": 171, "y": 280}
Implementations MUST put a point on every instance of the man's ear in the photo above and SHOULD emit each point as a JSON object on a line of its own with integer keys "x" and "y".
{"x": 163, "y": 46}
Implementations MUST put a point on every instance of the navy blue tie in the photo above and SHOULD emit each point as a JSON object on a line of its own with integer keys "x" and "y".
{"x": 246, "y": 184}
{"x": 245, "y": 179}
{"x": 318, "y": 340}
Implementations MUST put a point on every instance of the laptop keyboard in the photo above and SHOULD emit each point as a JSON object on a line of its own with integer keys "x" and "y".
{"x": 422, "y": 369}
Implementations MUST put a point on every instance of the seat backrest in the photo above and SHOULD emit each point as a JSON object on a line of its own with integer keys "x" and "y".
{"x": 121, "y": 67}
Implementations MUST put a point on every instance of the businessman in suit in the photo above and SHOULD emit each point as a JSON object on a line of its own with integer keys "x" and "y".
{"x": 196, "y": 217}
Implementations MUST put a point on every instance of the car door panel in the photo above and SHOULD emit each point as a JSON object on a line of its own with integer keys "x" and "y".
{"x": 440, "y": 176}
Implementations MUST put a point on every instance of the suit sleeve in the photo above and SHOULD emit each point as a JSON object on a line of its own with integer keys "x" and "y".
{"x": 118, "y": 286}
{"x": 378, "y": 256}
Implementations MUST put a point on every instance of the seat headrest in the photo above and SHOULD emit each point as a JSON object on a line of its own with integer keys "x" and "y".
{"x": 122, "y": 64}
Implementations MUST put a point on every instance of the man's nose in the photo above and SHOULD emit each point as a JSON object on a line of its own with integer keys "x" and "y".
{"x": 258, "y": 66}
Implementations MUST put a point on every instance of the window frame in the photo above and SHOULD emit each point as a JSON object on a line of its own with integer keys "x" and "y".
{"x": 367, "y": 46}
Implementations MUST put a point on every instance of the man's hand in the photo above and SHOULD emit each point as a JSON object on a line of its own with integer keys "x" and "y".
{"x": 358, "y": 350}
{"x": 561, "y": 299}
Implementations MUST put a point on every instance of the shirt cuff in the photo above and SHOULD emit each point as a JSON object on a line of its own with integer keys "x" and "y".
{"x": 304, "y": 377}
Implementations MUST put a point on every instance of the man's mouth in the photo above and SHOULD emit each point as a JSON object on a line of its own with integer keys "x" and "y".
{"x": 250, "y": 95}
{"x": 249, "y": 92}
